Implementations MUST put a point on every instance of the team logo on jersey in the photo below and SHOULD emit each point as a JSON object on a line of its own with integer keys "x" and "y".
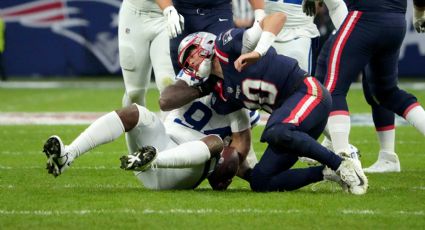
{"x": 229, "y": 90}
{"x": 227, "y": 37}
{"x": 73, "y": 19}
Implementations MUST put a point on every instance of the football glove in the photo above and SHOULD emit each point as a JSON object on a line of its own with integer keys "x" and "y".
{"x": 419, "y": 20}
{"x": 207, "y": 86}
{"x": 309, "y": 7}
{"x": 175, "y": 21}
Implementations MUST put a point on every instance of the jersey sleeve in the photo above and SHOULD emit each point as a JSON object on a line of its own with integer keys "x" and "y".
{"x": 239, "y": 120}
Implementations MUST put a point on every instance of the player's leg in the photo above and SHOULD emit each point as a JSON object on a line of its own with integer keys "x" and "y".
{"x": 105, "y": 129}
{"x": 383, "y": 84}
{"x": 134, "y": 37}
{"x": 384, "y": 124}
{"x": 161, "y": 60}
{"x": 273, "y": 173}
{"x": 350, "y": 52}
{"x": 184, "y": 166}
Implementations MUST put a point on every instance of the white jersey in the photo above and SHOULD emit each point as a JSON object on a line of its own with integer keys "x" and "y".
{"x": 198, "y": 115}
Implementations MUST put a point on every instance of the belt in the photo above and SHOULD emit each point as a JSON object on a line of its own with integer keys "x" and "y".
{"x": 297, "y": 2}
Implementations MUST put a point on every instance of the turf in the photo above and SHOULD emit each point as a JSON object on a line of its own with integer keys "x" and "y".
{"x": 96, "y": 194}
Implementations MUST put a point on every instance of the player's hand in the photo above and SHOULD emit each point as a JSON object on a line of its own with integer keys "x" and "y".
{"x": 309, "y": 7}
{"x": 207, "y": 86}
{"x": 175, "y": 21}
{"x": 245, "y": 60}
{"x": 419, "y": 20}
{"x": 259, "y": 15}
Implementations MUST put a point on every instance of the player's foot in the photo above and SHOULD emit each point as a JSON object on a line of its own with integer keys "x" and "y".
{"x": 387, "y": 162}
{"x": 352, "y": 175}
{"x": 352, "y": 153}
{"x": 140, "y": 160}
{"x": 330, "y": 175}
{"x": 57, "y": 159}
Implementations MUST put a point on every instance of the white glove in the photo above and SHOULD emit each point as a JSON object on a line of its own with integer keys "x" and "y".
{"x": 419, "y": 20}
{"x": 175, "y": 22}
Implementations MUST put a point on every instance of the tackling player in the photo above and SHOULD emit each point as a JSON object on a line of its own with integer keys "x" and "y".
{"x": 255, "y": 77}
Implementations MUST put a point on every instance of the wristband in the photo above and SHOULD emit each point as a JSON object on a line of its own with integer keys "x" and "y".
{"x": 266, "y": 40}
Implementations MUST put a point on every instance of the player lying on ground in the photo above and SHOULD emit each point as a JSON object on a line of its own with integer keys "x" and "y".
{"x": 187, "y": 124}
{"x": 251, "y": 75}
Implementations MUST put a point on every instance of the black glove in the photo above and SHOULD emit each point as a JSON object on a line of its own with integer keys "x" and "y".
{"x": 309, "y": 7}
{"x": 207, "y": 86}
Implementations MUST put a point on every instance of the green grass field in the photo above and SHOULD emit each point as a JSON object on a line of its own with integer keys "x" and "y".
{"x": 96, "y": 194}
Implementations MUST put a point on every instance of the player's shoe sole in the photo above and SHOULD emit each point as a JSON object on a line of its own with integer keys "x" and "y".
{"x": 140, "y": 160}
{"x": 53, "y": 148}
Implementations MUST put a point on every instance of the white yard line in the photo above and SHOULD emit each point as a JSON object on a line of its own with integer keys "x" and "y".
{"x": 178, "y": 211}
{"x": 85, "y": 118}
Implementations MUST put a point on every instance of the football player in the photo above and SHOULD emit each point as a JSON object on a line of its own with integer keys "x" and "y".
{"x": 212, "y": 16}
{"x": 250, "y": 74}
{"x": 361, "y": 43}
{"x": 176, "y": 167}
{"x": 143, "y": 45}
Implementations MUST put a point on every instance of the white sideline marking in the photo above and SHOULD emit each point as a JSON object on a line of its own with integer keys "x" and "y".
{"x": 85, "y": 118}
{"x": 83, "y": 212}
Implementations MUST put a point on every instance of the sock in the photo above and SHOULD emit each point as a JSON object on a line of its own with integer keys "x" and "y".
{"x": 386, "y": 140}
{"x": 339, "y": 129}
{"x": 183, "y": 156}
{"x": 105, "y": 129}
{"x": 416, "y": 116}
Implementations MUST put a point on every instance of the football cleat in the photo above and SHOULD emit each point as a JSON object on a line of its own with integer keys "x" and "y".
{"x": 387, "y": 162}
{"x": 330, "y": 175}
{"x": 353, "y": 176}
{"x": 57, "y": 159}
{"x": 140, "y": 160}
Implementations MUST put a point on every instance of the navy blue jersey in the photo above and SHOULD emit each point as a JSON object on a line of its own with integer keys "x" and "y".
{"x": 388, "y": 6}
{"x": 263, "y": 85}
{"x": 206, "y": 4}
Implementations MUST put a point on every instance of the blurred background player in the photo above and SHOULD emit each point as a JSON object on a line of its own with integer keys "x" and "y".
{"x": 362, "y": 41}
{"x": 243, "y": 15}
{"x": 212, "y": 16}
{"x": 277, "y": 85}
{"x": 383, "y": 119}
{"x": 2, "y": 46}
{"x": 143, "y": 45}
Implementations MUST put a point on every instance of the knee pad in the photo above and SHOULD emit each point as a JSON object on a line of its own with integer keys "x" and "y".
{"x": 127, "y": 58}
{"x": 277, "y": 134}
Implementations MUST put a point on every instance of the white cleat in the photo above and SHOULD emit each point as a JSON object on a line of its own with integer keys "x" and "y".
{"x": 353, "y": 176}
{"x": 57, "y": 159}
{"x": 330, "y": 175}
{"x": 387, "y": 162}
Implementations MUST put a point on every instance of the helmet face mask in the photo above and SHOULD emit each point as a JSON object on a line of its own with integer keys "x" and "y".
{"x": 198, "y": 46}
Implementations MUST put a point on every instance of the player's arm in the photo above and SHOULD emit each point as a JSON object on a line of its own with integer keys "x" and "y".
{"x": 175, "y": 21}
{"x": 176, "y": 95}
{"x": 258, "y": 7}
{"x": 419, "y": 15}
{"x": 261, "y": 35}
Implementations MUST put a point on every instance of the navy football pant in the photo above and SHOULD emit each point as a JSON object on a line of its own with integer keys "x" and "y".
{"x": 382, "y": 117}
{"x": 291, "y": 131}
{"x": 373, "y": 39}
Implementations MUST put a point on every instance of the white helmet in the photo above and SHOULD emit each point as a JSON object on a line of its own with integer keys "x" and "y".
{"x": 203, "y": 43}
